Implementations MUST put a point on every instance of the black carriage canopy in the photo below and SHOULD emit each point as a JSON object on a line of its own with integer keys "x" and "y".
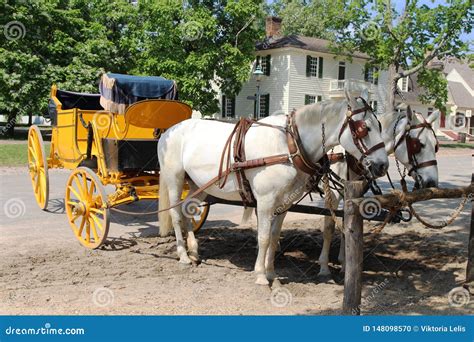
{"x": 118, "y": 91}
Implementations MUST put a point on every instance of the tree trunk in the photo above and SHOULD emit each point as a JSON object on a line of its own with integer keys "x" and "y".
{"x": 9, "y": 129}
{"x": 30, "y": 118}
{"x": 393, "y": 78}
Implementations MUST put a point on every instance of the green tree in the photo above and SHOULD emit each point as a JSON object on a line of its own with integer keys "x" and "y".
{"x": 65, "y": 42}
{"x": 203, "y": 45}
{"x": 404, "y": 42}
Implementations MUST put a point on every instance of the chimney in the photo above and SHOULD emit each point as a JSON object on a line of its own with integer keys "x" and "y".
{"x": 272, "y": 27}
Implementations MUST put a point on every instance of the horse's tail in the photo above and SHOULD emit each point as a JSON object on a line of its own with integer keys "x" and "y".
{"x": 164, "y": 217}
{"x": 246, "y": 216}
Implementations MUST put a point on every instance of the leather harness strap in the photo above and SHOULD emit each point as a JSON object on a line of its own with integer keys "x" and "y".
{"x": 414, "y": 145}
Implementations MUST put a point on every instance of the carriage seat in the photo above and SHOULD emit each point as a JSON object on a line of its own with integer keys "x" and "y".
{"x": 71, "y": 100}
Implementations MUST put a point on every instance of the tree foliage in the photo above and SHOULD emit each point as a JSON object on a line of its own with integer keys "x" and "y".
{"x": 404, "y": 40}
{"x": 72, "y": 42}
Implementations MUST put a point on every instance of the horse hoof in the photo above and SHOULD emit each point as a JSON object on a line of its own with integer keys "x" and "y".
{"x": 262, "y": 280}
{"x": 271, "y": 276}
{"x": 276, "y": 283}
{"x": 185, "y": 260}
{"x": 325, "y": 278}
{"x": 324, "y": 272}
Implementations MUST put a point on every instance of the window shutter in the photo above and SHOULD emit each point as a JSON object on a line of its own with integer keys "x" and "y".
{"x": 267, "y": 105}
{"x": 306, "y": 99}
{"x": 267, "y": 71}
{"x": 320, "y": 98}
{"x": 233, "y": 107}
{"x": 308, "y": 66}
{"x": 366, "y": 74}
{"x": 376, "y": 78}
{"x": 320, "y": 67}
{"x": 223, "y": 106}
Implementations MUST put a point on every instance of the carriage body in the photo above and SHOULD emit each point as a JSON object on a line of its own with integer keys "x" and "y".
{"x": 102, "y": 147}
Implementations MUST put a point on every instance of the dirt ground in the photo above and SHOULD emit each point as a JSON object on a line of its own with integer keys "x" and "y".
{"x": 408, "y": 269}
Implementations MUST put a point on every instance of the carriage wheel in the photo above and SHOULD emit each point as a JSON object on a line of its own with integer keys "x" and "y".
{"x": 199, "y": 221}
{"x": 38, "y": 167}
{"x": 86, "y": 207}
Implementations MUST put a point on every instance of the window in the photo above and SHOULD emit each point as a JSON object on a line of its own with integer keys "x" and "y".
{"x": 430, "y": 111}
{"x": 403, "y": 84}
{"x": 228, "y": 107}
{"x": 309, "y": 99}
{"x": 370, "y": 75}
{"x": 342, "y": 71}
{"x": 264, "y": 106}
{"x": 314, "y": 66}
{"x": 265, "y": 64}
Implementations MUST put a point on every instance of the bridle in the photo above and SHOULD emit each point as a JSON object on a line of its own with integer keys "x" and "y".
{"x": 359, "y": 129}
{"x": 414, "y": 145}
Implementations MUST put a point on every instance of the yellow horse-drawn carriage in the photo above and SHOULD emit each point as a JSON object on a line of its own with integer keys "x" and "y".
{"x": 106, "y": 139}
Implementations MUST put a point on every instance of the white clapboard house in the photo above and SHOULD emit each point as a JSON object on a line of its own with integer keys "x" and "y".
{"x": 297, "y": 71}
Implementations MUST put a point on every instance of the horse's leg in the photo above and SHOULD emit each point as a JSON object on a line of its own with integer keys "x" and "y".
{"x": 264, "y": 217}
{"x": 193, "y": 248}
{"x": 177, "y": 217}
{"x": 274, "y": 246}
{"x": 328, "y": 233}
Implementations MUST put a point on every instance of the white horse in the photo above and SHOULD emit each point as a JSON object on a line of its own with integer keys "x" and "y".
{"x": 394, "y": 127}
{"x": 194, "y": 147}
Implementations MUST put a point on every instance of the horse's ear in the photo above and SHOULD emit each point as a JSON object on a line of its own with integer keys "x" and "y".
{"x": 433, "y": 116}
{"x": 365, "y": 94}
{"x": 390, "y": 141}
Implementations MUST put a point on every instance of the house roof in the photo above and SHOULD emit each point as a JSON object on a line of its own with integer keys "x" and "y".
{"x": 302, "y": 42}
{"x": 462, "y": 68}
{"x": 461, "y": 96}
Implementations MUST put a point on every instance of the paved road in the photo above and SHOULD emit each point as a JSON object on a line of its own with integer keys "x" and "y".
{"x": 32, "y": 227}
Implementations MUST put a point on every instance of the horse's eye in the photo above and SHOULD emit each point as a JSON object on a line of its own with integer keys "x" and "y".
{"x": 368, "y": 129}
{"x": 422, "y": 145}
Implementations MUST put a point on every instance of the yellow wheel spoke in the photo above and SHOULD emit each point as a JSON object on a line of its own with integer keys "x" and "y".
{"x": 74, "y": 191}
{"x": 94, "y": 231}
{"x": 88, "y": 231}
{"x": 97, "y": 221}
{"x": 98, "y": 211}
{"x": 81, "y": 227}
{"x": 79, "y": 187}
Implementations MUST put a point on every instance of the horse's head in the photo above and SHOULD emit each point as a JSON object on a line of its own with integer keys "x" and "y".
{"x": 360, "y": 135}
{"x": 415, "y": 146}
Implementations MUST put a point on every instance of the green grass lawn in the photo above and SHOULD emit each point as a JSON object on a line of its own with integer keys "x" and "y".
{"x": 458, "y": 145}
{"x": 13, "y": 154}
